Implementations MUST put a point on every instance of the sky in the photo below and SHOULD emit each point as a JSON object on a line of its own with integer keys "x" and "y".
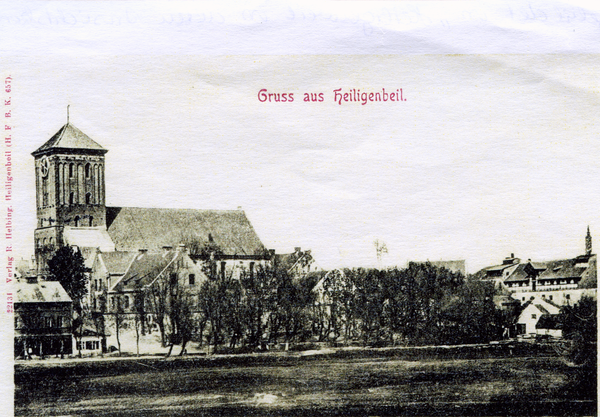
{"x": 489, "y": 154}
{"x": 494, "y": 150}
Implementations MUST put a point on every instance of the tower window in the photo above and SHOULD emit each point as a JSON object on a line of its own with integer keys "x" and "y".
{"x": 88, "y": 197}
{"x": 71, "y": 170}
{"x": 91, "y": 221}
{"x": 88, "y": 171}
{"x": 71, "y": 198}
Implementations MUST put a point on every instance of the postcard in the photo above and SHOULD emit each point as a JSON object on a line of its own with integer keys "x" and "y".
{"x": 342, "y": 208}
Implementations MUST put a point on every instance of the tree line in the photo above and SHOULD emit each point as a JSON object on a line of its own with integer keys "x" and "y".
{"x": 418, "y": 305}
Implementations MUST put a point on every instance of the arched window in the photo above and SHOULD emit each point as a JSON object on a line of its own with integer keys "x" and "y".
{"x": 71, "y": 170}
{"x": 50, "y": 241}
{"x": 77, "y": 221}
{"x": 71, "y": 198}
{"x": 91, "y": 221}
{"x": 88, "y": 197}
{"x": 44, "y": 241}
{"x": 88, "y": 171}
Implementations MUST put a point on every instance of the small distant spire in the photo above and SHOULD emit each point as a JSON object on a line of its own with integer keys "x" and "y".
{"x": 588, "y": 242}
{"x": 68, "y": 105}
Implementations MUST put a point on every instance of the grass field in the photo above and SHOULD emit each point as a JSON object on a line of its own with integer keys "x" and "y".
{"x": 356, "y": 384}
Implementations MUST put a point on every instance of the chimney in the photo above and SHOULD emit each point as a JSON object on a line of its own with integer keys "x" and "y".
{"x": 271, "y": 253}
{"x": 512, "y": 255}
{"x": 297, "y": 249}
{"x": 167, "y": 248}
{"x": 181, "y": 247}
{"x": 143, "y": 250}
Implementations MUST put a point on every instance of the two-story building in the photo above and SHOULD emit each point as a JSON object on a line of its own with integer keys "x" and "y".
{"x": 43, "y": 318}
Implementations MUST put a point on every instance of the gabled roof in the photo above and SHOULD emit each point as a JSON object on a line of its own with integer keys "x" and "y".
{"x": 69, "y": 138}
{"x": 563, "y": 269}
{"x": 132, "y": 228}
{"x": 40, "y": 292}
{"x": 144, "y": 268}
{"x": 116, "y": 263}
{"x": 520, "y": 273}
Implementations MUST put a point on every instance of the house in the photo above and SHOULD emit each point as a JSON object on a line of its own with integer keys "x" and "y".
{"x": 297, "y": 264}
{"x": 43, "y": 318}
{"x": 562, "y": 281}
{"x": 154, "y": 269}
{"x": 90, "y": 341}
{"x": 539, "y": 317}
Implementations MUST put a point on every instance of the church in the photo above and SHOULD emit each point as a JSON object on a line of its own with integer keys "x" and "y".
{"x": 72, "y": 211}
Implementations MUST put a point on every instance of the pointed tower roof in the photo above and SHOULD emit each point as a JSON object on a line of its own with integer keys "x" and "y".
{"x": 69, "y": 139}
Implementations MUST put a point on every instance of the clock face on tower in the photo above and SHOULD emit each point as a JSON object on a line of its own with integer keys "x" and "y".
{"x": 45, "y": 166}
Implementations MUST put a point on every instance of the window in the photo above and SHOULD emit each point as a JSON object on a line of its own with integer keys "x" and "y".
{"x": 77, "y": 221}
{"x": 88, "y": 173}
{"x": 550, "y": 297}
{"x": 544, "y": 296}
{"x": 251, "y": 269}
{"x": 71, "y": 170}
{"x": 59, "y": 322}
{"x": 71, "y": 198}
{"x": 568, "y": 296}
{"x": 91, "y": 221}
{"x": 534, "y": 316}
{"x": 88, "y": 198}
{"x": 192, "y": 279}
{"x": 125, "y": 302}
{"x": 223, "y": 270}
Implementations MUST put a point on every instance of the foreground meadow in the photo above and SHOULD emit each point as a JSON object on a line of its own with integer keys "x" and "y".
{"x": 304, "y": 385}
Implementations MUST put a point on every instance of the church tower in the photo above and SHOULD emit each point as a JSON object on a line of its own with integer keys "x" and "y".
{"x": 69, "y": 176}
{"x": 588, "y": 242}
